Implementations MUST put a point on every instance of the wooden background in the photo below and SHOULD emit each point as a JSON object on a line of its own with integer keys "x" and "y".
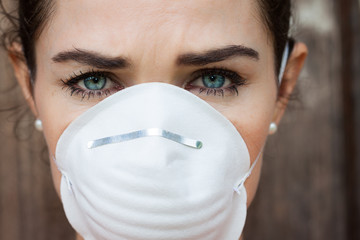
{"x": 310, "y": 185}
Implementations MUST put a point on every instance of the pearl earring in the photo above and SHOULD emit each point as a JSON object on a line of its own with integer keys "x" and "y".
{"x": 38, "y": 125}
{"x": 272, "y": 128}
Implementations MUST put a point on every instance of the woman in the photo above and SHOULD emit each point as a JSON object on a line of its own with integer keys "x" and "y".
{"x": 155, "y": 113}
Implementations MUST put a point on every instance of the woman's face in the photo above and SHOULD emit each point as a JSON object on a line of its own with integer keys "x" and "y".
{"x": 218, "y": 50}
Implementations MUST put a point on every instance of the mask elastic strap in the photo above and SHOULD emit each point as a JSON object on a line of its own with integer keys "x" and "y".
{"x": 284, "y": 62}
{"x": 242, "y": 181}
{"x": 67, "y": 180}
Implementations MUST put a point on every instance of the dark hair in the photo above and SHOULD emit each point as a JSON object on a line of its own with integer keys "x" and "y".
{"x": 276, "y": 15}
{"x": 26, "y": 27}
{"x": 32, "y": 16}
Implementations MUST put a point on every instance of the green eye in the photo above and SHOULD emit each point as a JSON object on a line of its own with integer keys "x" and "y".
{"x": 213, "y": 81}
{"x": 95, "y": 82}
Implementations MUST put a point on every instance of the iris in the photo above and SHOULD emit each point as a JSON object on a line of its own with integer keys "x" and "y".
{"x": 95, "y": 82}
{"x": 213, "y": 81}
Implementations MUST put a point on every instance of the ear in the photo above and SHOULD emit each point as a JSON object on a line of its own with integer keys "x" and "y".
{"x": 22, "y": 74}
{"x": 291, "y": 74}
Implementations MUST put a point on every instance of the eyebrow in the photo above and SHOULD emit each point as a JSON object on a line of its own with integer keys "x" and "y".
{"x": 91, "y": 58}
{"x": 104, "y": 62}
{"x": 217, "y": 55}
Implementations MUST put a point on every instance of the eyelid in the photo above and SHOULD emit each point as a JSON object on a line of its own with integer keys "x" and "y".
{"x": 235, "y": 79}
{"x": 233, "y": 76}
{"x": 74, "y": 85}
{"x": 76, "y": 77}
{"x": 230, "y": 89}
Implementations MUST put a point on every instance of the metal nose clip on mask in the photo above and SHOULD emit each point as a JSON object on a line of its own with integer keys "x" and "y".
{"x": 154, "y": 162}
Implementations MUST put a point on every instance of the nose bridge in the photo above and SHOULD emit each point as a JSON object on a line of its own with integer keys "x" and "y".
{"x": 156, "y": 64}
{"x": 156, "y": 60}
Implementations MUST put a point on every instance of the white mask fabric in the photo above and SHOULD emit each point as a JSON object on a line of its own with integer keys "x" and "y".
{"x": 154, "y": 162}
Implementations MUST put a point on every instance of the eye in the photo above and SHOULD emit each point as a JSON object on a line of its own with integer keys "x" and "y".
{"x": 217, "y": 82}
{"x": 91, "y": 84}
{"x": 212, "y": 81}
{"x": 95, "y": 82}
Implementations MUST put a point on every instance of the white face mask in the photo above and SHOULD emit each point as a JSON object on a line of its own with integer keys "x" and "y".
{"x": 154, "y": 162}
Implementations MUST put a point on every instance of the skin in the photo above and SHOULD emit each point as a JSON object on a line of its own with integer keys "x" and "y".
{"x": 152, "y": 35}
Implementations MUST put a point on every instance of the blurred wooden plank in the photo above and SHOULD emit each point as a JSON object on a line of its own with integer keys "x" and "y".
{"x": 10, "y": 220}
{"x": 29, "y": 206}
{"x": 349, "y": 18}
{"x": 302, "y": 190}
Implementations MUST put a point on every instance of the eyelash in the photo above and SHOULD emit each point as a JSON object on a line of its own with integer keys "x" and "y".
{"x": 71, "y": 83}
{"x": 235, "y": 78}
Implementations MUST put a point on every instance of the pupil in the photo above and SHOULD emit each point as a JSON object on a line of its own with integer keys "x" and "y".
{"x": 213, "y": 81}
{"x": 213, "y": 78}
{"x": 95, "y": 83}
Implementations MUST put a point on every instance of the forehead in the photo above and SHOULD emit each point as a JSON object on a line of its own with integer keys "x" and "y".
{"x": 123, "y": 25}
{"x": 144, "y": 10}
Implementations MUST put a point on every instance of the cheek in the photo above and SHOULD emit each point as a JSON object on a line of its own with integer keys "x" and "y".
{"x": 251, "y": 119}
{"x": 54, "y": 122}
{"x": 56, "y": 110}
{"x": 252, "y": 128}
{"x": 56, "y": 114}
{"x": 254, "y": 131}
